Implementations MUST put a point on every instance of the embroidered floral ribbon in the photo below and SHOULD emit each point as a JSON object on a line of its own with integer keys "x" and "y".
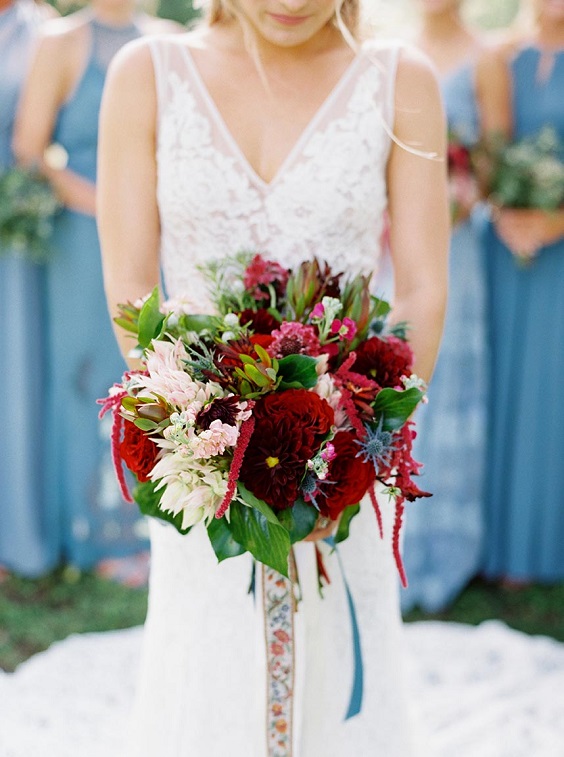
{"x": 279, "y": 608}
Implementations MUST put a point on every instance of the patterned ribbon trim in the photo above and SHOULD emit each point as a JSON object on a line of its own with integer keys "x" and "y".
{"x": 279, "y": 608}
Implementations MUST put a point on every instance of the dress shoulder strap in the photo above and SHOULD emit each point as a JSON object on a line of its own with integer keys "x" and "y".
{"x": 170, "y": 65}
{"x": 385, "y": 54}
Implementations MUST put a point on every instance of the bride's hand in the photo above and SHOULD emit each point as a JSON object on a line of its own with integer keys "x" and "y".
{"x": 324, "y": 528}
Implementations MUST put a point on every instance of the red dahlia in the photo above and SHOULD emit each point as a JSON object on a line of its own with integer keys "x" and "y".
{"x": 289, "y": 429}
{"x": 138, "y": 451}
{"x": 349, "y": 477}
{"x": 384, "y": 360}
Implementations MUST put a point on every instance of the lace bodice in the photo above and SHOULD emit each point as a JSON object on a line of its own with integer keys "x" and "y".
{"x": 327, "y": 198}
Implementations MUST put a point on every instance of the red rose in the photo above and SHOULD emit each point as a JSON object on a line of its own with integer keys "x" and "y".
{"x": 384, "y": 360}
{"x": 138, "y": 451}
{"x": 289, "y": 429}
{"x": 349, "y": 475}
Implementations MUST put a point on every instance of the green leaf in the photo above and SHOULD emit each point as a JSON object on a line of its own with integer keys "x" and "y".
{"x": 256, "y": 376}
{"x": 145, "y": 424}
{"x": 263, "y": 355}
{"x": 299, "y": 520}
{"x": 222, "y": 541}
{"x": 148, "y": 500}
{"x": 259, "y": 504}
{"x": 126, "y": 324}
{"x": 345, "y": 523}
{"x": 396, "y": 406}
{"x": 129, "y": 403}
{"x": 257, "y": 529}
{"x": 150, "y": 319}
{"x": 247, "y": 359}
{"x": 199, "y": 323}
{"x": 297, "y": 372}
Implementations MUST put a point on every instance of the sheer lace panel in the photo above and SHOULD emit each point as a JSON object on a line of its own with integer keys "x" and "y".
{"x": 327, "y": 199}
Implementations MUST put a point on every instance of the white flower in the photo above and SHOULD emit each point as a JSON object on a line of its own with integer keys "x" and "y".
{"x": 140, "y": 301}
{"x": 194, "y": 489}
{"x": 231, "y": 320}
{"x": 332, "y": 307}
{"x": 414, "y": 381}
{"x": 326, "y": 389}
{"x": 322, "y": 365}
{"x": 178, "y": 305}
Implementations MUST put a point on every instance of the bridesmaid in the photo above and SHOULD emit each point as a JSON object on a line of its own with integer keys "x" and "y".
{"x": 521, "y": 91}
{"x": 25, "y": 537}
{"x": 443, "y": 537}
{"x": 59, "y": 110}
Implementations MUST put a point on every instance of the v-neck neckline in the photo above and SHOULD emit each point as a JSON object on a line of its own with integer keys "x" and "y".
{"x": 301, "y": 140}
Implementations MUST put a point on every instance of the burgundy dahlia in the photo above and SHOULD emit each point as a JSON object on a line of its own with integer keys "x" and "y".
{"x": 384, "y": 360}
{"x": 259, "y": 320}
{"x": 289, "y": 429}
{"x": 224, "y": 409}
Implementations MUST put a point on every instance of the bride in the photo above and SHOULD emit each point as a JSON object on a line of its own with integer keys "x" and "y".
{"x": 272, "y": 128}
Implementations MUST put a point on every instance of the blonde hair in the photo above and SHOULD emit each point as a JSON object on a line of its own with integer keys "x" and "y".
{"x": 346, "y": 17}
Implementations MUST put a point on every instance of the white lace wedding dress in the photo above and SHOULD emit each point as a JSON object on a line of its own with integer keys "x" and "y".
{"x": 204, "y": 674}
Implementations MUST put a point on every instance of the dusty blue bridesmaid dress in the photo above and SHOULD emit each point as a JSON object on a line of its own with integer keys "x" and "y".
{"x": 443, "y": 535}
{"x": 525, "y": 501}
{"x": 92, "y": 521}
{"x": 27, "y": 538}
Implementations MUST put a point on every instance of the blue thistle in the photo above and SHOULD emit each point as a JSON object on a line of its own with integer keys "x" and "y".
{"x": 378, "y": 445}
{"x": 309, "y": 488}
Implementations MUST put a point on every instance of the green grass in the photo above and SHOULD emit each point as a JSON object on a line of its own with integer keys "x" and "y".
{"x": 534, "y": 610}
{"x": 34, "y": 614}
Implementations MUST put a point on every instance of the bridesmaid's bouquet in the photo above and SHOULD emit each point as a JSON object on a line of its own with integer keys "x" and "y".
{"x": 280, "y": 412}
{"x": 27, "y": 212}
{"x": 526, "y": 174}
{"x": 463, "y": 184}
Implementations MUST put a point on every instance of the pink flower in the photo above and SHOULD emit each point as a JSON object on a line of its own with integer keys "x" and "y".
{"x": 345, "y": 329}
{"x": 214, "y": 440}
{"x": 328, "y": 453}
{"x": 318, "y": 311}
{"x": 261, "y": 273}
{"x": 294, "y": 338}
{"x": 350, "y": 327}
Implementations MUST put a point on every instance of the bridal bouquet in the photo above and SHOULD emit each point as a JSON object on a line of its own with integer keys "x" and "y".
{"x": 527, "y": 173}
{"x": 27, "y": 211}
{"x": 283, "y": 409}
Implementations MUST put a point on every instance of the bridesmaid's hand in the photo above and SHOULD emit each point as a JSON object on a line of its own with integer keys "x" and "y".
{"x": 324, "y": 528}
{"x": 525, "y": 231}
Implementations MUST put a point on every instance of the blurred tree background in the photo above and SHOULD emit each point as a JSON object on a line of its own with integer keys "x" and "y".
{"x": 387, "y": 13}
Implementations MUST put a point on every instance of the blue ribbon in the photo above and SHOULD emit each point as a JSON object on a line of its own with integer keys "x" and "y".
{"x": 355, "y": 704}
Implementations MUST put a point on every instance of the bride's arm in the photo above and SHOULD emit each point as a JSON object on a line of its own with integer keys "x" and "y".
{"x": 419, "y": 211}
{"x": 128, "y": 219}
